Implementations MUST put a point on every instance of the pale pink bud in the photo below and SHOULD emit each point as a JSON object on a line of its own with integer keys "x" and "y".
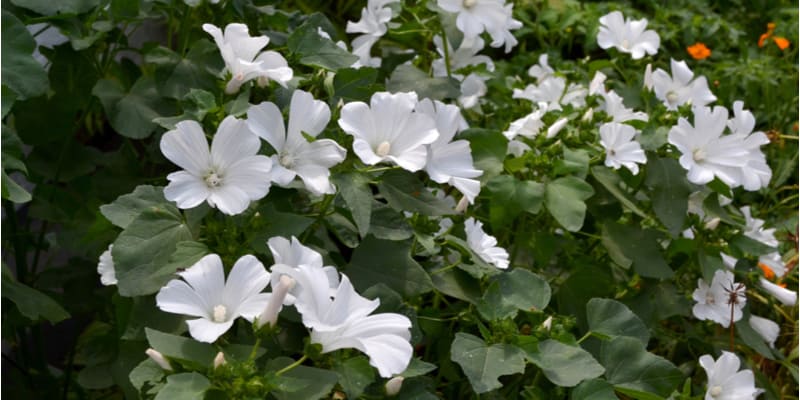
{"x": 394, "y": 385}
{"x": 159, "y": 359}
{"x": 270, "y": 313}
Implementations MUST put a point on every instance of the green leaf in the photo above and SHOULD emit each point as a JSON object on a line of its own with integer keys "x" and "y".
{"x": 350, "y": 84}
{"x": 612, "y": 318}
{"x": 575, "y": 162}
{"x": 388, "y": 223}
{"x": 177, "y": 75}
{"x": 404, "y": 192}
{"x": 308, "y": 383}
{"x": 669, "y": 191}
{"x": 122, "y": 211}
{"x": 30, "y": 302}
{"x": 564, "y": 198}
{"x": 407, "y": 78}
{"x": 563, "y": 364}
{"x": 146, "y": 371}
{"x": 652, "y": 139}
{"x": 95, "y": 377}
{"x": 594, "y": 389}
{"x": 488, "y": 150}
{"x": 611, "y": 181}
{"x": 484, "y": 364}
{"x": 519, "y": 289}
{"x": 638, "y": 394}
{"x": 7, "y": 99}
{"x": 46, "y": 7}
{"x": 457, "y": 283}
{"x": 639, "y": 246}
{"x": 124, "y": 8}
{"x": 315, "y": 50}
{"x": 184, "y": 386}
{"x": 354, "y": 188}
{"x": 20, "y": 71}
{"x": 417, "y": 367}
{"x": 12, "y": 191}
{"x": 383, "y": 261}
{"x": 355, "y": 375}
{"x": 142, "y": 251}
{"x": 583, "y": 283}
{"x": 132, "y": 113}
{"x": 181, "y": 348}
{"x": 510, "y": 197}
{"x": 629, "y": 366}
{"x": 752, "y": 338}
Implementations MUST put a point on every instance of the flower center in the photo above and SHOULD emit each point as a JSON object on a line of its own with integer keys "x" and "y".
{"x": 612, "y": 152}
{"x": 213, "y": 180}
{"x": 383, "y": 149}
{"x": 699, "y": 155}
{"x": 710, "y": 298}
{"x": 672, "y": 97}
{"x": 469, "y": 3}
{"x": 715, "y": 391}
{"x": 286, "y": 160}
{"x": 625, "y": 44}
{"x": 219, "y": 313}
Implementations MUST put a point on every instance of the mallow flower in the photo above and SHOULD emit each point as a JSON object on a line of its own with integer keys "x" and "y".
{"x": 296, "y": 156}
{"x": 294, "y": 259}
{"x": 627, "y": 35}
{"x": 466, "y": 55}
{"x": 754, "y": 229}
{"x": 542, "y": 70}
{"x": 478, "y": 16}
{"x": 614, "y": 106}
{"x": 484, "y": 245}
{"x": 767, "y": 328}
{"x": 725, "y": 381}
{"x": 714, "y": 301}
{"x": 679, "y": 89}
{"x": 450, "y": 161}
{"x": 105, "y": 267}
{"x": 372, "y": 25}
{"x": 388, "y": 129}
{"x": 245, "y": 60}
{"x": 621, "y": 147}
{"x": 528, "y": 126}
{"x": 228, "y": 177}
{"x": 553, "y": 92}
{"x": 204, "y": 293}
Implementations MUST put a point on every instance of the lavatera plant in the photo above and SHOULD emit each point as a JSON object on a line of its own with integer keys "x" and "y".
{"x": 435, "y": 199}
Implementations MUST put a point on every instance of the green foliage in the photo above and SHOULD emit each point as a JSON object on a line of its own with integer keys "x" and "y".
{"x": 484, "y": 364}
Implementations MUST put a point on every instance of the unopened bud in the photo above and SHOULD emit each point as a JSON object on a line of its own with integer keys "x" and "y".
{"x": 270, "y": 314}
{"x": 394, "y": 385}
{"x": 219, "y": 360}
{"x": 548, "y": 323}
{"x": 557, "y": 126}
{"x": 462, "y": 205}
{"x": 159, "y": 359}
{"x": 712, "y": 223}
{"x": 587, "y": 117}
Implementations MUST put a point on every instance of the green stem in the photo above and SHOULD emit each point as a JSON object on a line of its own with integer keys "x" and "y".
{"x": 446, "y": 47}
{"x": 254, "y": 352}
{"x": 291, "y": 366}
{"x": 586, "y": 336}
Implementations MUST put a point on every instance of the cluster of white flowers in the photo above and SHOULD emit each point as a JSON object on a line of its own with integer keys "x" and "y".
{"x": 477, "y": 16}
{"x": 627, "y": 35}
{"x": 372, "y": 26}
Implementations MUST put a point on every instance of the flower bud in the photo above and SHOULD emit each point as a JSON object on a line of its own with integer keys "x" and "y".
{"x": 270, "y": 313}
{"x": 785, "y": 296}
{"x": 557, "y": 126}
{"x": 219, "y": 360}
{"x": 462, "y": 205}
{"x": 648, "y": 77}
{"x": 548, "y": 323}
{"x": 394, "y": 385}
{"x": 159, "y": 359}
{"x": 587, "y": 117}
{"x": 712, "y": 223}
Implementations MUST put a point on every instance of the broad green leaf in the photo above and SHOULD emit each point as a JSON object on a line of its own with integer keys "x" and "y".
{"x": 184, "y": 386}
{"x": 404, "y": 192}
{"x": 652, "y": 139}
{"x": 181, "y": 348}
{"x": 612, "y": 318}
{"x": 510, "y": 197}
{"x": 639, "y": 246}
{"x": 20, "y": 71}
{"x": 355, "y": 374}
{"x": 315, "y": 50}
{"x": 575, "y": 162}
{"x": 407, "y": 78}
{"x": 95, "y": 377}
{"x": 146, "y": 371}
{"x": 132, "y": 113}
{"x": 343, "y": 229}
{"x": 629, "y": 365}
{"x": 611, "y": 181}
{"x": 124, "y": 8}
{"x": 750, "y": 246}
{"x": 638, "y": 394}
{"x": 308, "y": 383}
{"x": 563, "y": 364}
{"x": 383, "y": 261}
{"x": 177, "y": 75}
{"x": 388, "y": 223}
{"x": 669, "y": 191}
{"x": 583, "y": 284}
{"x": 656, "y": 303}
{"x": 752, "y": 338}
{"x": 594, "y": 389}
{"x": 350, "y": 84}
{"x": 7, "y": 99}
{"x": 278, "y": 223}
{"x": 139, "y": 315}
{"x": 122, "y": 211}
{"x": 519, "y": 289}
{"x": 564, "y": 198}
{"x": 12, "y": 191}
{"x": 142, "y": 251}
{"x": 457, "y": 283}
{"x": 354, "y": 188}
{"x": 46, "y": 7}
{"x": 488, "y": 150}
{"x": 417, "y": 367}
{"x": 484, "y": 364}
{"x": 30, "y": 302}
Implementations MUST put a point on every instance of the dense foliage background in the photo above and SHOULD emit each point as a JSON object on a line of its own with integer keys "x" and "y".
{"x": 82, "y": 123}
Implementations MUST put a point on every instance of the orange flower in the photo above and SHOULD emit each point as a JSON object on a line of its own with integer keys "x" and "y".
{"x": 782, "y": 42}
{"x": 768, "y": 272}
{"x": 699, "y": 51}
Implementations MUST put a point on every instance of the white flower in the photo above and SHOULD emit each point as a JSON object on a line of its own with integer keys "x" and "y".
{"x": 472, "y": 89}
{"x": 204, "y": 293}
{"x": 725, "y": 381}
{"x": 627, "y": 35}
{"x": 372, "y": 25}
{"x": 756, "y": 174}
{"x": 557, "y": 126}
{"x": 774, "y": 262}
{"x": 528, "y": 126}
{"x": 296, "y": 260}
{"x": 228, "y": 177}
{"x": 767, "y": 328}
{"x": 296, "y": 156}
{"x": 728, "y": 261}
{"x": 492, "y": 16}
{"x": 597, "y": 85}
{"x": 466, "y": 55}
{"x": 485, "y": 246}
{"x": 542, "y": 70}
{"x": 614, "y": 106}
{"x": 553, "y": 92}
{"x": 714, "y": 302}
{"x": 244, "y": 58}
{"x": 450, "y": 161}
{"x": 785, "y": 296}
{"x": 621, "y": 147}
{"x": 105, "y": 267}
{"x": 517, "y": 148}
{"x": 707, "y": 153}
{"x": 647, "y": 80}
{"x": 679, "y": 88}
{"x": 754, "y": 229}
{"x": 388, "y": 129}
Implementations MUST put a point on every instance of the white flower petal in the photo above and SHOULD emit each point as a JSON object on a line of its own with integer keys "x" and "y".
{"x": 307, "y": 115}
{"x": 266, "y": 121}
{"x": 186, "y": 147}
{"x": 204, "y": 330}
{"x": 186, "y": 190}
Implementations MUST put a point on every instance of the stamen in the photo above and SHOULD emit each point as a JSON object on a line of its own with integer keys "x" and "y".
{"x": 383, "y": 149}
{"x": 213, "y": 180}
{"x": 219, "y": 313}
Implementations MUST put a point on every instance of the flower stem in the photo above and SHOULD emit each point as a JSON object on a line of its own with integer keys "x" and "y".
{"x": 586, "y": 336}
{"x": 291, "y": 366}
{"x": 254, "y": 352}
